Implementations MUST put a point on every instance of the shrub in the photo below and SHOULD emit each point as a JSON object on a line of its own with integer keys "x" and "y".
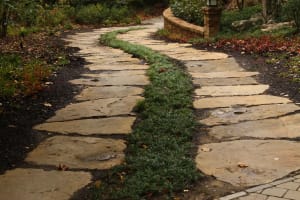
{"x": 292, "y": 10}
{"x": 189, "y": 10}
{"x": 103, "y": 14}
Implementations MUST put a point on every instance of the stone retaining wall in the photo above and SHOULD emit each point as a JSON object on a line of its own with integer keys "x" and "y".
{"x": 179, "y": 28}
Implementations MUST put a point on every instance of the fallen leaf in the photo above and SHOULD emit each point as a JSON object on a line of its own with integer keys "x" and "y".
{"x": 206, "y": 149}
{"x": 242, "y": 165}
{"x": 62, "y": 167}
{"x": 48, "y": 104}
{"x": 97, "y": 184}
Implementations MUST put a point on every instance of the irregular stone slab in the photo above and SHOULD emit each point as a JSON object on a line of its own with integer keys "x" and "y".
{"x": 201, "y": 55}
{"x": 112, "y": 125}
{"x": 267, "y": 160}
{"x": 116, "y": 73}
{"x": 222, "y": 65}
{"x": 112, "y": 80}
{"x": 239, "y": 114}
{"x": 283, "y": 127}
{"x": 112, "y": 60}
{"x": 79, "y": 152}
{"x": 228, "y": 74}
{"x": 93, "y": 93}
{"x": 225, "y": 81}
{"x": 95, "y": 67}
{"x": 238, "y": 90}
{"x": 96, "y": 108}
{"x": 37, "y": 184}
{"x": 221, "y": 102}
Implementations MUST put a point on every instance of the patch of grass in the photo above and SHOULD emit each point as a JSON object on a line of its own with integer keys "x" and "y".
{"x": 158, "y": 160}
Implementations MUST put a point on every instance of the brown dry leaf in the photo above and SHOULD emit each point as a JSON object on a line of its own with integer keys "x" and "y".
{"x": 97, "y": 184}
{"x": 62, "y": 167}
{"x": 206, "y": 149}
{"x": 242, "y": 165}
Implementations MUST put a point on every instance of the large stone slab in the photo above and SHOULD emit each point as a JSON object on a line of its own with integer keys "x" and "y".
{"x": 267, "y": 160}
{"x": 115, "y": 67}
{"x": 92, "y": 93}
{"x": 283, "y": 127}
{"x": 37, "y": 184}
{"x": 228, "y": 74}
{"x": 116, "y": 73}
{"x": 96, "y": 108}
{"x": 238, "y": 90}
{"x": 224, "y": 81}
{"x": 112, "y": 80}
{"x": 78, "y": 152}
{"x": 96, "y": 59}
{"x": 221, "y": 65}
{"x": 238, "y": 114}
{"x": 221, "y": 102}
{"x": 112, "y": 125}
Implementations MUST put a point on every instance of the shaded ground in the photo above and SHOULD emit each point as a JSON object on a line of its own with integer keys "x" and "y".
{"x": 20, "y": 114}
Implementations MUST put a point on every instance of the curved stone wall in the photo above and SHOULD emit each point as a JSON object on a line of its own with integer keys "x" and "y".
{"x": 179, "y": 28}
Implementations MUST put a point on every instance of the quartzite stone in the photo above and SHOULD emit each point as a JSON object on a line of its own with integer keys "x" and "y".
{"x": 228, "y": 74}
{"x": 283, "y": 127}
{"x": 224, "y": 81}
{"x": 221, "y": 65}
{"x": 37, "y": 184}
{"x": 239, "y": 113}
{"x": 264, "y": 160}
{"x": 238, "y": 90}
{"x": 92, "y": 93}
{"x": 78, "y": 152}
{"x": 115, "y": 67}
{"x": 221, "y": 102}
{"x": 113, "y": 80}
{"x": 96, "y": 108}
{"x": 112, "y": 125}
{"x": 122, "y": 74}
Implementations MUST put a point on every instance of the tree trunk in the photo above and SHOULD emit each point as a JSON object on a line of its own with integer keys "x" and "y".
{"x": 267, "y": 9}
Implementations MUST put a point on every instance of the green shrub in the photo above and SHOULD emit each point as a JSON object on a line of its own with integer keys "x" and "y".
{"x": 292, "y": 11}
{"x": 235, "y": 15}
{"x": 189, "y": 10}
{"x": 103, "y": 14}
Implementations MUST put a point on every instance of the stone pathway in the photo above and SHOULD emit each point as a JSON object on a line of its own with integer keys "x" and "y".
{"x": 251, "y": 137}
{"x": 85, "y": 131}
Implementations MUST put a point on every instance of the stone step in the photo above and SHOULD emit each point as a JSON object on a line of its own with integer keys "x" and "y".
{"x": 96, "y": 108}
{"x": 78, "y": 152}
{"x": 37, "y": 184}
{"x": 238, "y": 114}
{"x": 103, "y": 126}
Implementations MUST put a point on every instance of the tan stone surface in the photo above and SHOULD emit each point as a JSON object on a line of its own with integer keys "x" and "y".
{"x": 238, "y": 90}
{"x": 283, "y": 127}
{"x": 221, "y": 65}
{"x": 126, "y": 73}
{"x": 239, "y": 113}
{"x": 201, "y": 55}
{"x": 267, "y": 160}
{"x": 37, "y": 184}
{"x": 92, "y": 93}
{"x": 113, "y": 80}
{"x": 115, "y": 67}
{"x": 78, "y": 152}
{"x": 96, "y": 108}
{"x": 225, "y": 81}
{"x": 221, "y": 102}
{"x": 112, "y": 60}
{"x": 228, "y": 74}
{"x": 112, "y": 125}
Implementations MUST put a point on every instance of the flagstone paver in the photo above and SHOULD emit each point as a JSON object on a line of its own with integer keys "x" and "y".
{"x": 102, "y": 126}
{"x": 237, "y": 90}
{"x": 38, "y": 184}
{"x": 233, "y": 115}
{"x": 97, "y": 108}
{"x": 93, "y": 93}
{"x": 79, "y": 152}
{"x": 224, "y": 81}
